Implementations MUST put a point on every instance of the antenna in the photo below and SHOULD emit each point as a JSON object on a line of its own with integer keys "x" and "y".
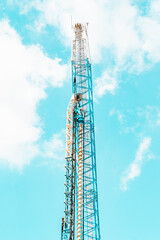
{"x": 71, "y": 22}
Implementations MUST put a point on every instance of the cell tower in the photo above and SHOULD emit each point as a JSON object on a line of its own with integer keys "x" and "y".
{"x": 81, "y": 215}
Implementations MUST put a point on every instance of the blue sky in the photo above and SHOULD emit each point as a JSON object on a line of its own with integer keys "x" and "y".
{"x": 35, "y": 89}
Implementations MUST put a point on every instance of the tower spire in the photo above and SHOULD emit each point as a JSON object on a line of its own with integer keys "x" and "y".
{"x": 81, "y": 215}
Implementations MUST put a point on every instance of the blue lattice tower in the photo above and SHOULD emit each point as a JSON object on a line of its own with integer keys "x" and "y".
{"x": 81, "y": 194}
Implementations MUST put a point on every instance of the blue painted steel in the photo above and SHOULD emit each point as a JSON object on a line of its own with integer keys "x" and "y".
{"x": 82, "y": 73}
{"x": 68, "y": 222}
{"x": 67, "y": 194}
{"x": 82, "y": 83}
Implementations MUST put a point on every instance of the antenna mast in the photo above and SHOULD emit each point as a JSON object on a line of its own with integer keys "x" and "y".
{"x": 81, "y": 215}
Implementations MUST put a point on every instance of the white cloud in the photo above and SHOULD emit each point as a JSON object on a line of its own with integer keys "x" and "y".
{"x": 112, "y": 24}
{"x": 120, "y": 116}
{"x": 25, "y": 73}
{"x": 105, "y": 83}
{"x": 54, "y": 150}
{"x": 117, "y": 27}
{"x": 150, "y": 116}
{"x": 134, "y": 170}
{"x": 155, "y": 9}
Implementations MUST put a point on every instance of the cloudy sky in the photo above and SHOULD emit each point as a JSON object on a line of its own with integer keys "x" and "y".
{"x": 35, "y": 89}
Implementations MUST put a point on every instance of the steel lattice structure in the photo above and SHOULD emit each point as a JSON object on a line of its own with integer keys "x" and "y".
{"x": 81, "y": 215}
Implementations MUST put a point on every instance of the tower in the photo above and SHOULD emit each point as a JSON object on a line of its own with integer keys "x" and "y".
{"x": 81, "y": 215}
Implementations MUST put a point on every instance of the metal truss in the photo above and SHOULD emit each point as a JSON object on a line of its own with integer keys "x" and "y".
{"x": 81, "y": 194}
{"x": 68, "y": 222}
